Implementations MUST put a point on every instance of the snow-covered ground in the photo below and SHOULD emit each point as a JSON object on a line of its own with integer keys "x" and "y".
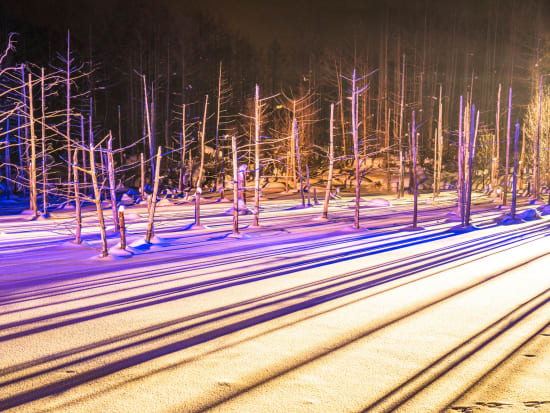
{"x": 297, "y": 315}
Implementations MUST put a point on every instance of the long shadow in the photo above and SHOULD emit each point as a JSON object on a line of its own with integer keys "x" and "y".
{"x": 96, "y": 373}
{"x": 177, "y": 293}
{"x": 409, "y": 388}
{"x": 241, "y": 324}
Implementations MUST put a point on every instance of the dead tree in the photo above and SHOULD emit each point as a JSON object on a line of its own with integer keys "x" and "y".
{"x": 330, "y": 162}
{"x": 257, "y": 122}
{"x": 235, "y": 186}
{"x": 515, "y": 176}
{"x": 97, "y": 201}
{"x": 32, "y": 171}
{"x": 112, "y": 184}
{"x": 507, "y": 167}
{"x": 153, "y": 205}
{"x": 78, "y": 213}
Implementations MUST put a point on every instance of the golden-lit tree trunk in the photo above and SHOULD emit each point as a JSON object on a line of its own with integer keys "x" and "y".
{"x": 507, "y": 167}
{"x": 330, "y": 162}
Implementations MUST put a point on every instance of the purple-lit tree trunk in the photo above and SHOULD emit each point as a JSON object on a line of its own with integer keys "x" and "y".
{"x": 76, "y": 187}
{"x": 142, "y": 175}
{"x": 415, "y": 176}
{"x": 32, "y": 163}
{"x": 112, "y": 182}
{"x": 153, "y": 205}
{"x": 471, "y": 153}
{"x": 460, "y": 181}
{"x": 235, "y": 186}
{"x": 97, "y": 201}
{"x": 257, "y": 156}
{"x": 43, "y": 141}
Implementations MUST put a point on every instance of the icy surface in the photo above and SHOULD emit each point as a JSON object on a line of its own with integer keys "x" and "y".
{"x": 296, "y": 315}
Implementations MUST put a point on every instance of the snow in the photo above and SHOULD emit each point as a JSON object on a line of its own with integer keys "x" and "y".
{"x": 299, "y": 314}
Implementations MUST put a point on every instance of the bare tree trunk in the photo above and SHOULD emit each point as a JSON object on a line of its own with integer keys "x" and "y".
{"x": 507, "y": 171}
{"x": 183, "y": 144}
{"x": 330, "y": 162}
{"x": 293, "y": 133}
{"x": 120, "y": 135}
{"x": 122, "y": 227}
{"x": 112, "y": 182}
{"x": 78, "y": 213}
{"x": 299, "y": 163}
{"x": 460, "y": 180}
{"x": 515, "y": 176}
{"x": 7, "y": 161}
{"x": 308, "y": 186}
{"x": 522, "y": 159}
{"x": 341, "y": 100}
{"x": 83, "y": 143}
{"x": 438, "y": 148}
{"x": 235, "y": 187}
{"x": 203, "y": 131}
{"x": 415, "y": 177}
{"x": 32, "y": 171}
{"x": 97, "y": 200}
{"x": 401, "y": 192}
{"x": 471, "y": 154}
{"x": 153, "y": 205}
{"x": 355, "y": 136}
{"x": 142, "y": 169}
{"x": 216, "y": 172}
{"x": 496, "y": 146}
{"x": 68, "y": 114}
{"x": 537, "y": 147}
{"x": 148, "y": 124}
{"x": 257, "y": 157}
{"x": 43, "y": 139}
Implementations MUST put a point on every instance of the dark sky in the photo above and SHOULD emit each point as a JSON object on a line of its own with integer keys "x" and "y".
{"x": 259, "y": 20}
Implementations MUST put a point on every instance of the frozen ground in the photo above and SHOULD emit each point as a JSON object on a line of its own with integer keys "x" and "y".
{"x": 299, "y": 315}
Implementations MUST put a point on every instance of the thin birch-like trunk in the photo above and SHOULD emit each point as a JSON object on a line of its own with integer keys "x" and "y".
{"x": 97, "y": 200}
{"x": 515, "y": 176}
{"x": 43, "y": 139}
{"x": 460, "y": 181}
{"x": 257, "y": 157}
{"x": 330, "y": 162}
{"x": 32, "y": 170}
{"x": 142, "y": 175}
{"x": 299, "y": 163}
{"x": 153, "y": 205}
{"x": 202, "y": 133}
{"x": 415, "y": 177}
{"x": 355, "y": 136}
{"x": 507, "y": 167}
{"x": 112, "y": 182}
{"x": 76, "y": 187}
{"x": 401, "y": 193}
{"x": 235, "y": 186}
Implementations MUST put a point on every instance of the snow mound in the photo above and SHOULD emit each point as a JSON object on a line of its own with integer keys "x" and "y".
{"x": 529, "y": 215}
{"x": 544, "y": 210}
{"x": 378, "y": 202}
